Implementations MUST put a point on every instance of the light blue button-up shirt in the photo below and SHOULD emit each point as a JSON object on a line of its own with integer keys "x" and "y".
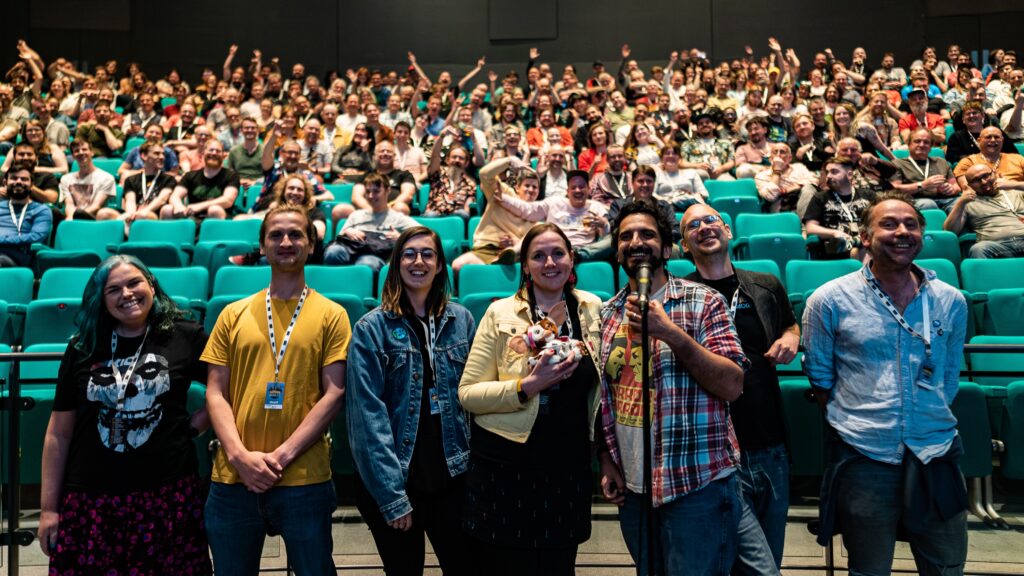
{"x": 881, "y": 400}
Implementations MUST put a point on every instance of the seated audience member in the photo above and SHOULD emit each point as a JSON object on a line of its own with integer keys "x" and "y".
{"x": 964, "y": 142}
{"x": 594, "y": 157}
{"x": 407, "y": 156}
{"x": 928, "y": 180}
{"x": 755, "y": 155}
{"x": 355, "y": 160}
{"x": 231, "y": 134}
{"x": 104, "y": 138}
{"x": 551, "y": 169}
{"x": 1009, "y": 167}
{"x": 871, "y": 171}
{"x": 644, "y": 182}
{"x": 85, "y": 192}
{"x": 834, "y": 213}
{"x": 315, "y": 154}
{"x": 642, "y": 146}
{"x": 144, "y": 116}
{"x": 210, "y": 191}
{"x": 785, "y": 183}
{"x": 451, "y": 188}
{"x": 369, "y": 234}
{"x": 57, "y": 132}
{"x": 583, "y": 220}
{"x": 994, "y": 209}
{"x": 22, "y": 221}
{"x": 612, "y": 183}
{"x": 133, "y": 161}
{"x": 45, "y": 185}
{"x": 679, "y": 187}
{"x": 808, "y": 148}
{"x": 190, "y": 159}
{"x": 538, "y": 136}
{"x": 512, "y": 145}
{"x": 149, "y": 189}
{"x": 920, "y": 117}
{"x": 401, "y": 184}
{"x": 246, "y": 157}
{"x": 500, "y": 232}
{"x": 50, "y": 157}
{"x": 780, "y": 127}
{"x": 287, "y": 163}
{"x": 180, "y": 130}
{"x": 712, "y": 157}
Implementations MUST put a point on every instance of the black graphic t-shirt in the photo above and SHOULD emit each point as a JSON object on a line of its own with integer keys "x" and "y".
{"x": 145, "y": 442}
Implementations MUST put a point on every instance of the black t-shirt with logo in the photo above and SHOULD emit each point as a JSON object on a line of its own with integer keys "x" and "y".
{"x": 146, "y": 442}
{"x": 757, "y": 413}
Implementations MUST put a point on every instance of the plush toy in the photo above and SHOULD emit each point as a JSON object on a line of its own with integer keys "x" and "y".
{"x": 542, "y": 336}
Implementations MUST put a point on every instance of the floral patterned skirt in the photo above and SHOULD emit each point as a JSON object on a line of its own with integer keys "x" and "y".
{"x": 143, "y": 533}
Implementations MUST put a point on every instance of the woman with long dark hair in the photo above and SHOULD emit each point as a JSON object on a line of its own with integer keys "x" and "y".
{"x": 120, "y": 487}
{"x": 529, "y": 481}
{"x": 409, "y": 435}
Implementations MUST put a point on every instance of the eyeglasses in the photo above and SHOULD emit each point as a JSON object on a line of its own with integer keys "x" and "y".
{"x": 427, "y": 254}
{"x": 709, "y": 220}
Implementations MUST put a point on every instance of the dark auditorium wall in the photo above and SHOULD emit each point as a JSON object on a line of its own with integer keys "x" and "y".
{"x": 190, "y": 34}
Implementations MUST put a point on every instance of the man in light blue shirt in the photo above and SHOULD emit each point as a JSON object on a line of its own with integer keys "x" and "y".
{"x": 884, "y": 346}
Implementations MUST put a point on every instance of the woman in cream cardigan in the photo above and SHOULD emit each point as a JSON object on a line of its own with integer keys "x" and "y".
{"x": 529, "y": 481}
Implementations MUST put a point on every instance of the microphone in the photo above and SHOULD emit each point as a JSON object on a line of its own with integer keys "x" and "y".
{"x": 643, "y": 285}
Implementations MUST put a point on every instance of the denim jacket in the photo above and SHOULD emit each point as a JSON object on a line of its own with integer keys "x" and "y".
{"x": 385, "y": 388}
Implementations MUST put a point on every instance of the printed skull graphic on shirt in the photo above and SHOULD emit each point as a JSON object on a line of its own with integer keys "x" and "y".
{"x": 140, "y": 410}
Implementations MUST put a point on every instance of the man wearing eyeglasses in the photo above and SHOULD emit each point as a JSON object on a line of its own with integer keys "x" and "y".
{"x": 770, "y": 335}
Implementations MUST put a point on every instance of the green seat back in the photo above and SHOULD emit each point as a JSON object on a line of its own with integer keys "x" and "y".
{"x": 933, "y": 218}
{"x": 804, "y": 275}
{"x": 356, "y": 280}
{"x": 191, "y": 283}
{"x": 740, "y": 187}
{"x": 50, "y": 321}
{"x": 780, "y": 223}
{"x": 940, "y": 244}
{"x": 999, "y": 361}
{"x": 595, "y": 277}
{"x": 971, "y": 410}
{"x": 89, "y": 236}
{"x": 241, "y": 280}
{"x": 478, "y": 303}
{"x": 779, "y": 248}
{"x": 64, "y": 283}
{"x": 762, "y": 266}
{"x": 943, "y": 268}
{"x": 1012, "y": 431}
{"x": 1005, "y": 309}
{"x": 983, "y": 274}
{"x": 475, "y": 278}
{"x": 736, "y": 205}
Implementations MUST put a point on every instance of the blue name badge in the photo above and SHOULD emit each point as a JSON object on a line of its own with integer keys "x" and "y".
{"x": 435, "y": 402}
{"x": 274, "y": 400}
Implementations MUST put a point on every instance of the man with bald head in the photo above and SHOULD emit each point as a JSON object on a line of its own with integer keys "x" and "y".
{"x": 1009, "y": 167}
{"x": 770, "y": 335}
{"x": 994, "y": 209}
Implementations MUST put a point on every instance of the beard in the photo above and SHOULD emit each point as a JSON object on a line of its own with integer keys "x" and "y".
{"x": 653, "y": 258}
{"x": 17, "y": 192}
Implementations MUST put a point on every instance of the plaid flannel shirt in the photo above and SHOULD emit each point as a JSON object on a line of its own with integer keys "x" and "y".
{"x": 694, "y": 437}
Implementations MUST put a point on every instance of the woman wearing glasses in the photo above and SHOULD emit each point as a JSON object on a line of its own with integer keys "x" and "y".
{"x": 408, "y": 434}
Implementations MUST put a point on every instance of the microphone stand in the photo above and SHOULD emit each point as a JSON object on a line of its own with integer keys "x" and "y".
{"x": 647, "y": 515}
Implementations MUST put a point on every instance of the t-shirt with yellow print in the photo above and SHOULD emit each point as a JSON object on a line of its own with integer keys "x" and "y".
{"x": 241, "y": 341}
{"x": 627, "y": 393}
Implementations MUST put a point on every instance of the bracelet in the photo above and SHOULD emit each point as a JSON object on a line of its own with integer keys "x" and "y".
{"x": 523, "y": 397}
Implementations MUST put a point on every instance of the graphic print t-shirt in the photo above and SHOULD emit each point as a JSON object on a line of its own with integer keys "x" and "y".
{"x": 155, "y": 447}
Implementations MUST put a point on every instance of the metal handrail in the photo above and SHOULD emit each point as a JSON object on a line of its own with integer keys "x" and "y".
{"x": 14, "y": 537}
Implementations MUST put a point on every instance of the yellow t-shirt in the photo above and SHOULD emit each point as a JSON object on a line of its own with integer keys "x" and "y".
{"x": 241, "y": 341}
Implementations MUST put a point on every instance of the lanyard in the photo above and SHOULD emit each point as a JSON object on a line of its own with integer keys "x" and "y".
{"x": 1002, "y": 198}
{"x": 24, "y": 207}
{"x": 843, "y": 206}
{"x": 431, "y": 329}
{"x": 926, "y": 337}
{"x": 147, "y": 193}
{"x": 122, "y": 381}
{"x": 279, "y": 355}
{"x": 927, "y": 167}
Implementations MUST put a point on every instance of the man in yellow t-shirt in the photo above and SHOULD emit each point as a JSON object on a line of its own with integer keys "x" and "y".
{"x": 276, "y": 380}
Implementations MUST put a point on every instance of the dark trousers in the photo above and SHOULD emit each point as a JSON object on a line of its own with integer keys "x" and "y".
{"x": 438, "y": 517}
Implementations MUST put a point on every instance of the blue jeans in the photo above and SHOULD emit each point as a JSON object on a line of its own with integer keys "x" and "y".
{"x": 238, "y": 520}
{"x": 338, "y": 255}
{"x": 697, "y": 531}
{"x": 764, "y": 489}
{"x": 1009, "y": 248}
{"x": 869, "y": 503}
